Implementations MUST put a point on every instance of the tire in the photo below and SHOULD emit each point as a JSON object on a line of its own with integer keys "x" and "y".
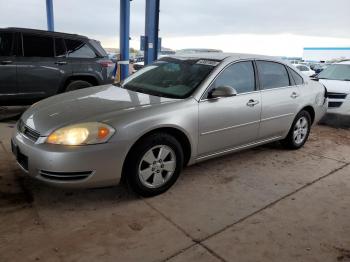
{"x": 299, "y": 132}
{"x": 149, "y": 176}
{"x": 77, "y": 84}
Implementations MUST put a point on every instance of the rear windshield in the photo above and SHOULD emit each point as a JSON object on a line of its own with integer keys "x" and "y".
{"x": 98, "y": 47}
{"x": 170, "y": 77}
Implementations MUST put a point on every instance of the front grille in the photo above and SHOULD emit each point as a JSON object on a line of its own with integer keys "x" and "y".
{"x": 27, "y": 131}
{"x": 334, "y": 104}
{"x": 337, "y": 95}
{"x": 65, "y": 176}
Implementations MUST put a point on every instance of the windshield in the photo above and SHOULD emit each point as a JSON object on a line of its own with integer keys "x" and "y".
{"x": 170, "y": 77}
{"x": 336, "y": 72}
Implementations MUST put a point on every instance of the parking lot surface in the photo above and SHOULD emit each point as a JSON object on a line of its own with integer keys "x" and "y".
{"x": 264, "y": 204}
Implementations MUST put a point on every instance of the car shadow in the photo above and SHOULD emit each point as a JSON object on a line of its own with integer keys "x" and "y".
{"x": 336, "y": 121}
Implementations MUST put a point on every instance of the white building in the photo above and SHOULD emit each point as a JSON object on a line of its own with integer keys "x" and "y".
{"x": 317, "y": 54}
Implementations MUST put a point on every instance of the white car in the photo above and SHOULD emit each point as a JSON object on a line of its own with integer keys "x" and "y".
{"x": 336, "y": 78}
{"x": 304, "y": 69}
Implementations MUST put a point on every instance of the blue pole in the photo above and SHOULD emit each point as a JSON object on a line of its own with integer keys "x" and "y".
{"x": 124, "y": 38}
{"x": 49, "y": 14}
{"x": 151, "y": 30}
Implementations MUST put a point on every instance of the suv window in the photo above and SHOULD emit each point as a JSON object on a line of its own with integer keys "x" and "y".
{"x": 272, "y": 75}
{"x": 239, "y": 76}
{"x": 5, "y": 43}
{"x": 98, "y": 47}
{"x": 60, "y": 49}
{"x": 78, "y": 49}
{"x": 38, "y": 46}
{"x": 296, "y": 77}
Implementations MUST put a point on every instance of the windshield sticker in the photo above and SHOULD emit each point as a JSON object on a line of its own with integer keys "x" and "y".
{"x": 207, "y": 62}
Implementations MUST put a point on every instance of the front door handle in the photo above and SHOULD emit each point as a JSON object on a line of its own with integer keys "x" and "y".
{"x": 252, "y": 102}
{"x": 6, "y": 62}
{"x": 61, "y": 63}
{"x": 294, "y": 95}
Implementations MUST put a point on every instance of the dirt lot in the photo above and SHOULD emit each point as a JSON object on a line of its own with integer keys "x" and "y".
{"x": 265, "y": 204}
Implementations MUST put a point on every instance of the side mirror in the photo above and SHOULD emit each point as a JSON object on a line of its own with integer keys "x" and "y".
{"x": 222, "y": 91}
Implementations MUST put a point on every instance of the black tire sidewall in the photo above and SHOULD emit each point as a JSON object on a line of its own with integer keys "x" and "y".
{"x": 289, "y": 141}
{"x": 78, "y": 84}
{"x": 135, "y": 156}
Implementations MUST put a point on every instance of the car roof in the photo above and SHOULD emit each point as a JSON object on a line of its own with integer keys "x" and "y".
{"x": 221, "y": 56}
{"x": 42, "y": 32}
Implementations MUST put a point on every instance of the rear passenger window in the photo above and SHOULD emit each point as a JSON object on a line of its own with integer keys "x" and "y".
{"x": 78, "y": 49}
{"x": 5, "y": 43}
{"x": 272, "y": 75}
{"x": 296, "y": 77}
{"x": 38, "y": 46}
{"x": 240, "y": 76}
{"x": 60, "y": 49}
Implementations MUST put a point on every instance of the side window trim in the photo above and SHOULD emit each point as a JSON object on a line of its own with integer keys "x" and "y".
{"x": 276, "y": 62}
{"x": 206, "y": 91}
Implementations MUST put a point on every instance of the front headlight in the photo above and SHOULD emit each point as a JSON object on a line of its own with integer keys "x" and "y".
{"x": 81, "y": 134}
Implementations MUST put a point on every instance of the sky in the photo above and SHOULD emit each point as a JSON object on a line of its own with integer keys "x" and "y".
{"x": 270, "y": 27}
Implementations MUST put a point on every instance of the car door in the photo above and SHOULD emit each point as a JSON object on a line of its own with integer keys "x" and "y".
{"x": 280, "y": 99}
{"x": 7, "y": 66}
{"x": 38, "y": 73}
{"x": 229, "y": 122}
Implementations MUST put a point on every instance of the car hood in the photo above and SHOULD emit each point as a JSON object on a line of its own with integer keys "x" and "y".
{"x": 336, "y": 86}
{"x": 89, "y": 104}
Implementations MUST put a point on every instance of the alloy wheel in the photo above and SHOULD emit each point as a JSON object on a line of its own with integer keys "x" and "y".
{"x": 301, "y": 129}
{"x": 157, "y": 166}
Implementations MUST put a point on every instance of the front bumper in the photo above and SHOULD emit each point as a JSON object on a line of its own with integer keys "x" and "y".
{"x": 70, "y": 166}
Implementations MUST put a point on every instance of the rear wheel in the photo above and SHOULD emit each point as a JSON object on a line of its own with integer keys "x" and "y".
{"x": 77, "y": 84}
{"x": 299, "y": 132}
{"x": 154, "y": 164}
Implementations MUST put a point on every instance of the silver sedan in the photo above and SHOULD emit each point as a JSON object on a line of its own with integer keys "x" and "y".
{"x": 175, "y": 112}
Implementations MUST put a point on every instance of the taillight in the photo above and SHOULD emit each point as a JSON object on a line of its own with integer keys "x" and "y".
{"x": 106, "y": 63}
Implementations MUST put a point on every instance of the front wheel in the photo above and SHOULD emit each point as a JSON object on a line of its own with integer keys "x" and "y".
{"x": 299, "y": 132}
{"x": 77, "y": 84}
{"x": 154, "y": 164}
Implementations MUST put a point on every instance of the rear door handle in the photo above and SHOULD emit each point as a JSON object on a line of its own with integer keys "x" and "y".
{"x": 61, "y": 63}
{"x": 252, "y": 102}
{"x": 6, "y": 62}
{"x": 294, "y": 95}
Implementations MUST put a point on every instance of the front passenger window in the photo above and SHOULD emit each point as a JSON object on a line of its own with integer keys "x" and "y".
{"x": 240, "y": 76}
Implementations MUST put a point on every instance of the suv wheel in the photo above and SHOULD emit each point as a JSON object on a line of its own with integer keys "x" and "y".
{"x": 77, "y": 84}
{"x": 299, "y": 132}
{"x": 154, "y": 164}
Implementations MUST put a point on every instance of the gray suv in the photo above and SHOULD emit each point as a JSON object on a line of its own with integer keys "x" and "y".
{"x": 36, "y": 64}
